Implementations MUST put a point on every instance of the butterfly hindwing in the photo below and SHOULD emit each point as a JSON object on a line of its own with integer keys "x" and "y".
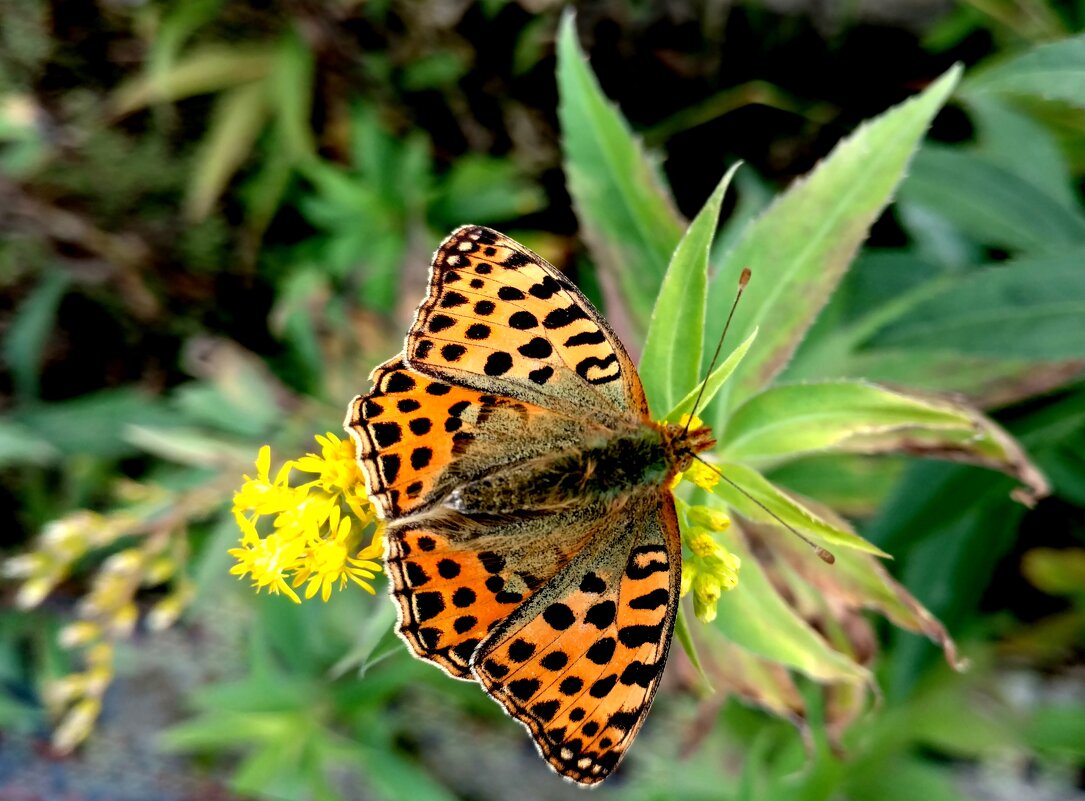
{"x": 500, "y": 318}
{"x": 455, "y": 579}
{"x": 579, "y": 663}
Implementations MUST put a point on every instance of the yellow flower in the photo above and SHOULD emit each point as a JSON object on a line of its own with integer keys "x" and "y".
{"x": 267, "y": 560}
{"x": 329, "y": 562}
{"x": 263, "y": 495}
{"x": 691, "y": 423}
{"x": 702, "y": 475}
{"x": 338, "y": 471}
{"x": 702, "y": 543}
{"x": 313, "y": 540}
{"x": 711, "y": 569}
{"x": 709, "y": 518}
{"x": 336, "y": 466}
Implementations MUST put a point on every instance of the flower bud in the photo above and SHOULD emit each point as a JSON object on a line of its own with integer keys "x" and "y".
{"x": 76, "y": 725}
{"x": 79, "y": 633}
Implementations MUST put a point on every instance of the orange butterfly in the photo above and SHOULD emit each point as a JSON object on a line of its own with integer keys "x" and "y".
{"x": 532, "y": 540}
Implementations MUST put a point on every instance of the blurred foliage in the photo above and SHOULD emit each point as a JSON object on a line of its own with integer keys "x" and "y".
{"x": 216, "y": 217}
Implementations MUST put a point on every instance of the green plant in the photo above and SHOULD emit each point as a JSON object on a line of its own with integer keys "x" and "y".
{"x": 940, "y": 314}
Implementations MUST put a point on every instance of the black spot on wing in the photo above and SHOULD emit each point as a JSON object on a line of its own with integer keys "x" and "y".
{"x": 637, "y": 635}
{"x": 387, "y": 434}
{"x": 452, "y": 352}
{"x": 601, "y": 651}
{"x": 516, "y": 260}
{"x": 542, "y": 375}
{"x": 559, "y": 318}
{"x": 389, "y": 467}
{"x": 399, "y": 382}
{"x": 524, "y": 688}
{"x": 559, "y": 616}
{"x": 585, "y": 366}
{"x": 601, "y": 614}
{"x": 595, "y": 337}
{"x": 452, "y": 299}
{"x": 536, "y": 348}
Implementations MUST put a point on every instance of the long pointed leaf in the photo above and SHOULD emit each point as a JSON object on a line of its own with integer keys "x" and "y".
{"x": 715, "y": 381}
{"x": 672, "y": 352}
{"x": 755, "y": 497}
{"x": 627, "y": 217}
{"x": 799, "y": 248}
{"x": 756, "y": 617}
{"x": 857, "y": 417}
{"x": 238, "y": 118}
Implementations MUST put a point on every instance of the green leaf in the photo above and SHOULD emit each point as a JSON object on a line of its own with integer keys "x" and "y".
{"x": 715, "y": 381}
{"x": 757, "y": 618}
{"x": 28, "y": 332}
{"x": 947, "y": 525}
{"x": 292, "y": 99}
{"x": 239, "y": 116}
{"x": 1004, "y": 133}
{"x": 789, "y": 420}
{"x": 990, "y": 202}
{"x": 483, "y": 190}
{"x": 1059, "y": 730}
{"x": 240, "y": 393}
{"x": 627, "y": 217}
{"x": 188, "y": 446}
{"x": 685, "y": 639}
{"x": 20, "y": 446}
{"x": 857, "y": 581}
{"x": 852, "y": 484}
{"x": 209, "y": 69}
{"x": 802, "y": 245}
{"x": 217, "y": 730}
{"x": 1054, "y": 71}
{"x": 392, "y": 777}
{"x": 672, "y": 351}
{"x": 987, "y": 382}
{"x": 94, "y": 424}
{"x": 1030, "y": 309}
{"x": 756, "y": 498}
{"x": 901, "y": 778}
{"x": 856, "y": 417}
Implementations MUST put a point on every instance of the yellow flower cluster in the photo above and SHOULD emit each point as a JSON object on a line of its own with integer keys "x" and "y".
{"x": 312, "y": 541}
{"x": 698, "y": 473}
{"x": 108, "y": 611}
{"x": 710, "y": 570}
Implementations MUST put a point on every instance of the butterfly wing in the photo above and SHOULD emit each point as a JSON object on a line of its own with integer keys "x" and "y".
{"x": 502, "y": 320}
{"x": 578, "y": 664}
{"x": 419, "y": 438}
{"x": 453, "y": 578}
{"x": 508, "y": 362}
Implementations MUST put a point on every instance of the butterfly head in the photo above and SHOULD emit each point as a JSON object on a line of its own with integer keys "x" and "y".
{"x": 681, "y": 444}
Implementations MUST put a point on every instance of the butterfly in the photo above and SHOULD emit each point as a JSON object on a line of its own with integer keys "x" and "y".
{"x": 532, "y": 543}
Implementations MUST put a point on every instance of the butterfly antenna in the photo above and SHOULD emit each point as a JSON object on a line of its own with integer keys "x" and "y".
{"x": 823, "y": 554}
{"x": 742, "y": 281}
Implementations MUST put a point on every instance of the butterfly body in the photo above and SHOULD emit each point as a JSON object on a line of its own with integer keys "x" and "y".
{"x": 608, "y": 466}
{"x": 532, "y": 541}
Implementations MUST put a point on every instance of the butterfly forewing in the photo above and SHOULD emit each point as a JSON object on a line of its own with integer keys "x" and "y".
{"x": 500, "y": 318}
{"x": 419, "y": 438}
